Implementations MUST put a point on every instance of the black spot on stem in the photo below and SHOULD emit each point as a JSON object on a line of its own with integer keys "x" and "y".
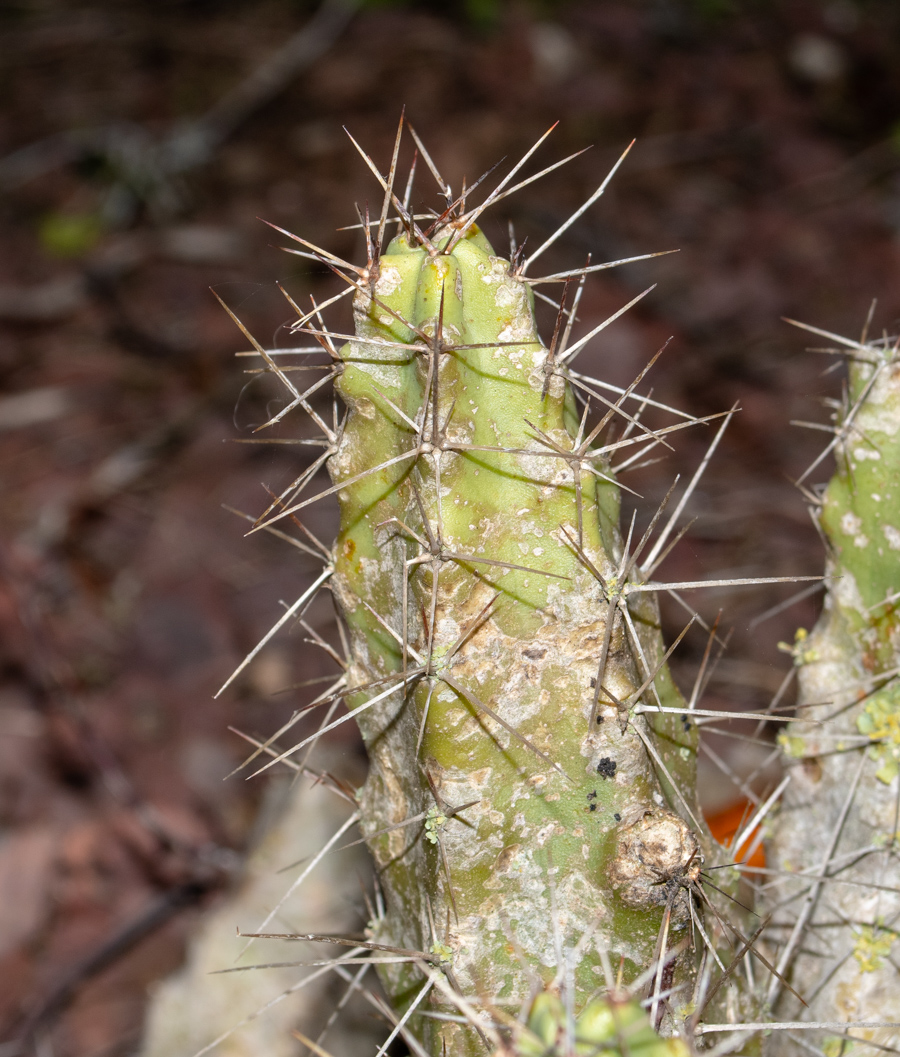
{"x": 606, "y": 768}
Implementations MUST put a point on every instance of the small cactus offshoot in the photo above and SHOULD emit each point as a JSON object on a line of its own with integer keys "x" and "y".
{"x": 607, "y": 1026}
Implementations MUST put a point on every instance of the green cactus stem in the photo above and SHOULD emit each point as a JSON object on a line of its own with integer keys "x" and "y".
{"x": 531, "y": 797}
{"x": 505, "y": 634}
{"x": 839, "y": 821}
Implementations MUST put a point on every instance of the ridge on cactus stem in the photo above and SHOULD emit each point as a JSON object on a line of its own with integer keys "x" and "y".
{"x": 531, "y": 801}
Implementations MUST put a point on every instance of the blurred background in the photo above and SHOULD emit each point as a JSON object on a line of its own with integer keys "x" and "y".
{"x": 139, "y": 145}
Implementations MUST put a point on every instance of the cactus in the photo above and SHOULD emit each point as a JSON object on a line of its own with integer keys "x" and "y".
{"x": 837, "y": 891}
{"x": 530, "y": 803}
{"x": 473, "y": 571}
{"x": 504, "y": 646}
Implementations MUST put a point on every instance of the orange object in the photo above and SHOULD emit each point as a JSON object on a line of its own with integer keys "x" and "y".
{"x": 725, "y": 824}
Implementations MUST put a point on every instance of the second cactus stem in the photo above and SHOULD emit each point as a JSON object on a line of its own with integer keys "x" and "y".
{"x": 837, "y": 891}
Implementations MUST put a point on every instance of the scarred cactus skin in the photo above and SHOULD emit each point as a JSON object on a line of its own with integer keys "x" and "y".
{"x": 470, "y": 534}
{"x": 843, "y": 754}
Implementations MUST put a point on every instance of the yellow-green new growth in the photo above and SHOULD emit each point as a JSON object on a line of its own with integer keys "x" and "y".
{"x": 605, "y": 1028}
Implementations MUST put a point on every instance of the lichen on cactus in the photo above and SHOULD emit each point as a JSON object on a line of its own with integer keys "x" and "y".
{"x": 837, "y": 890}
